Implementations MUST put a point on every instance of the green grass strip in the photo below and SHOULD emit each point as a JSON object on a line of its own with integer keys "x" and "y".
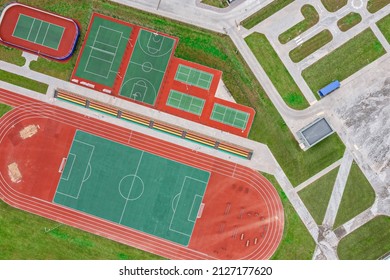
{"x": 276, "y": 71}
{"x": 4, "y": 108}
{"x": 349, "y": 58}
{"x": 334, "y": 5}
{"x": 310, "y": 46}
{"x": 384, "y": 26}
{"x": 264, "y": 13}
{"x": 216, "y": 3}
{"x": 11, "y": 55}
{"x": 358, "y": 196}
{"x": 296, "y": 243}
{"x": 349, "y": 21}
{"x": 52, "y": 240}
{"x": 23, "y": 82}
{"x": 369, "y": 242}
{"x": 311, "y": 18}
{"x": 316, "y": 196}
{"x": 375, "y": 5}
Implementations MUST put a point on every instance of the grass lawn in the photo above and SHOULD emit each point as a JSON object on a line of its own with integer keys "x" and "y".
{"x": 334, "y": 5}
{"x": 349, "y": 58}
{"x": 384, "y": 26}
{"x": 369, "y": 242}
{"x": 311, "y": 19}
{"x": 23, "y": 82}
{"x": 4, "y": 109}
{"x": 357, "y": 197}
{"x": 310, "y": 46}
{"x": 375, "y": 5}
{"x": 276, "y": 71}
{"x": 12, "y": 55}
{"x": 265, "y": 12}
{"x": 297, "y": 243}
{"x": 349, "y": 21}
{"x": 216, "y": 3}
{"x": 316, "y": 196}
{"x": 23, "y": 236}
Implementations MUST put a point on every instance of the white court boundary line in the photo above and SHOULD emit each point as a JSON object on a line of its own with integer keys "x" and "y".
{"x": 71, "y": 167}
{"x": 93, "y": 47}
{"x": 135, "y": 175}
{"x": 215, "y": 113}
{"x": 183, "y": 67}
{"x": 191, "y": 105}
{"x": 174, "y": 212}
{"x": 36, "y": 35}
{"x": 88, "y": 167}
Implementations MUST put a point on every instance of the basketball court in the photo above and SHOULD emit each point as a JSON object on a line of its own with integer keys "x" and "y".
{"x": 147, "y": 67}
{"x": 132, "y": 187}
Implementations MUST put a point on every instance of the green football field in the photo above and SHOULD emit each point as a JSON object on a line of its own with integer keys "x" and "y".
{"x": 132, "y": 187}
{"x": 38, "y": 31}
{"x": 146, "y": 70}
{"x": 103, "y": 51}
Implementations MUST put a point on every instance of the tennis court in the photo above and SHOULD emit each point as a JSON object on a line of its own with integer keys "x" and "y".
{"x": 38, "y": 31}
{"x": 147, "y": 67}
{"x": 131, "y": 187}
{"x": 229, "y": 116}
{"x": 194, "y": 77}
{"x": 185, "y": 102}
{"x": 103, "y": 51}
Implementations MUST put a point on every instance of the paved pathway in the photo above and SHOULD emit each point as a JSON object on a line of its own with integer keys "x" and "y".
{"x": 338, "y": 190}
{"x": 318, "y": 175}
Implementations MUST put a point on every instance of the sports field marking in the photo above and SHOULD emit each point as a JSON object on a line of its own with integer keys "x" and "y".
{"x": 229, "y": 116}
{"x": 149, "y": 62}
{"x": 72, "y": 158}
{"x": 100, "y": 54}
{"x": 190, "y": 189}
{"x": 195, "y": 77}
{"x": 78, "y": 170}
{"x": 103, "y": 51}
{"x": 132, "y": 187}
{"x": 185, "y": 102}
{"x": 38, "y": 31}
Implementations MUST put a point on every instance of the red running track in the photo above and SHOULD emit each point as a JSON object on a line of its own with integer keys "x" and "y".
{"x": 242, "y": 218}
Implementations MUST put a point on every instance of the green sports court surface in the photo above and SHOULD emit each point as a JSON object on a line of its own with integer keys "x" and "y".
{"x": 103, "y": 51}
{"x": 145, "y": 72}
{"x": 131, "y": 187}
{"x": 229, "y": 116}
{"x": 38, "y": 31}
{"x": 194, "y": 77}
{"x": 185, "y": 102}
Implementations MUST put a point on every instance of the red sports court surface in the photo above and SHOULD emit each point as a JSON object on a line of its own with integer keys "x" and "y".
{"x": 38, "y": 31}
{"x": 242, "y": 217}
{"x": 192, "y": 86}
